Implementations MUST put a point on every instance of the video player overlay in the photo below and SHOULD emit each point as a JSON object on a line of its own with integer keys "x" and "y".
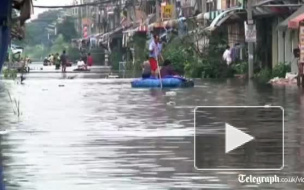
{"x": 239, "y": 138}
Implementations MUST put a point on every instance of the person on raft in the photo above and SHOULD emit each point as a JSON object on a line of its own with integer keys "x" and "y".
{"x": 167, "y": 69}
{"x": 154, "y": 54}
{"x": 146, "y": 69}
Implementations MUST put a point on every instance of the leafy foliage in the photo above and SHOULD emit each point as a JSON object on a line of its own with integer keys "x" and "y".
{"x": 190, "y": 61}
{"x": 240, "y": 68}
{"x": 36, "y": 30}
{"x": 10, "y": 73}
{"x": 59, "y": 44}
{"x": 280, "y": 70}
{"x": 114, "y": 58}
{"x": 37, "y": 51}
{"x": 263, "y": 76}
{"x": 37, "y": 42}
{"x": 67, "y": 29}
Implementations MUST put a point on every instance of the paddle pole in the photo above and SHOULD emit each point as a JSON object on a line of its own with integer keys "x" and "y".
{"x": 160, "y": 79}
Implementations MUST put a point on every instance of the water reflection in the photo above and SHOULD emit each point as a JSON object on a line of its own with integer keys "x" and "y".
{"x": 92, "y": 133}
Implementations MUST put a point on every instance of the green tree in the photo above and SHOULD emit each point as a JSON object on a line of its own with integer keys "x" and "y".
{"x": 36, "y": 30}
{"x": 59, "y": 44}
{"x": 67, "y": 28}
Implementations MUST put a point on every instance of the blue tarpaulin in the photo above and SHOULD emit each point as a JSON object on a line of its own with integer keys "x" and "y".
{"x": 5, "y": 12}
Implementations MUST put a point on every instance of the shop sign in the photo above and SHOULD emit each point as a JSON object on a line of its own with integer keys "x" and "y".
{"x": 301, "y": 41}
{"x": 250, "y": 34}
{"x": 167, "y": 11}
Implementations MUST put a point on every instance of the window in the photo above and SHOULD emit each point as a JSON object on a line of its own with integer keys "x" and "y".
{"x": 228, "y": 4}
{"x": 232, "y": 3}
{"x": 210, "y": 5}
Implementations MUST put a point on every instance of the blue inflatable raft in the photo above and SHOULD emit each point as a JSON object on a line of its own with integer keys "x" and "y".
{"x": 167, "y": 82}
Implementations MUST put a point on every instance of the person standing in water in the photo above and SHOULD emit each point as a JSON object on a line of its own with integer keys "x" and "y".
{"x": 63, "y": 60}
{"x": 227, "y": 56}
{"x": 57, "y": 61}
{"x": 154, "y": 54}
{"x": 89, "y": 60}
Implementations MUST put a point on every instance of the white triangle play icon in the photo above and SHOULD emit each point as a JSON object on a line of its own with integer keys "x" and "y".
{"x": 235, "y": 138}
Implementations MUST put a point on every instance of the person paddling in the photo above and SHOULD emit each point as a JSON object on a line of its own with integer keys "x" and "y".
{"x": 154, "y": 54}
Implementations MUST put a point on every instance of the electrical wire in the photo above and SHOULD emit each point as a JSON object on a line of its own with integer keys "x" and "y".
{"x": 73, "y": 6}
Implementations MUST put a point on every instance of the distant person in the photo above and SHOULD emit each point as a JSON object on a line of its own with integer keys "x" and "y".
{"x": 57, "y": 61}
{"x": 89, "y": 60}
{"x": 52, "y": 59}
{"x": 227, "y": 55}
{"x": 63, "y": 60}
{"x": 146, "y": 68}
{"x": 235, "y": 52}
{"x": 167, "y": 69}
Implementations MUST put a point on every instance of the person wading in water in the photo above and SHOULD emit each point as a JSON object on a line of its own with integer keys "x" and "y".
{"x": 63, "y": 59}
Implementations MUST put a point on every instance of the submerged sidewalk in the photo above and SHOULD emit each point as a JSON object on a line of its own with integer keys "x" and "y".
{"x": 51, "y": 69}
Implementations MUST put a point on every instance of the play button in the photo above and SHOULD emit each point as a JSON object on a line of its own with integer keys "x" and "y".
{"x": 235, "y": 138}
{"x": 239, "y": 138}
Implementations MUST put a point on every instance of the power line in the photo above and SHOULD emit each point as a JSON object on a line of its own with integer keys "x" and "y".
{"x": 73, "y": 6}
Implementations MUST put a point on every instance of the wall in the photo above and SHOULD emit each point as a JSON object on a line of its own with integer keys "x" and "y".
{"x": 236, "y": 33}
{"x": 294, "y": 44}
{"x": 274, "y": 42}
{"x": 283, "y": 43}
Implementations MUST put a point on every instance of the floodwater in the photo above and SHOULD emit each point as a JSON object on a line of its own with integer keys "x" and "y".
{"x": 96, "y": 134}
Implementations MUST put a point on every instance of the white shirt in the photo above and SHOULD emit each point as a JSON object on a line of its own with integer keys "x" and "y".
{"x": 155, "y": 48}
{"x": 80, "y": 63}
{"x": 227, "y": 56}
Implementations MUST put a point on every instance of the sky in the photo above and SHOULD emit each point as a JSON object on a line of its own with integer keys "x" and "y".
{"x": 48, "y": 3}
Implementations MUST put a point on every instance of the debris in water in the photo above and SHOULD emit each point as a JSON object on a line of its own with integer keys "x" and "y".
{"x": 290, "y": 79}
{"x": 61, "y": 85}
{"x": 171, "y": 103}
{"x": 171, "y": 93}
{"x": 71, "y": 77}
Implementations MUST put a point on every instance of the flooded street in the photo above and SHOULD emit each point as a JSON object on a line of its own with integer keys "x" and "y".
{"x": 96, "y": 134}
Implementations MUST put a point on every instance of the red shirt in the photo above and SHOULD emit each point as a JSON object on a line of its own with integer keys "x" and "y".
{"x": 90, "y": 60}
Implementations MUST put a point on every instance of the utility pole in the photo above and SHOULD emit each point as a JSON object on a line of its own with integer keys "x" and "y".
{"x": 250, "y": 25}
{"x": 157, "y": 10}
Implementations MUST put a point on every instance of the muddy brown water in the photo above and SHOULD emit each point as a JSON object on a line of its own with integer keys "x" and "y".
{"x": 90, "y": 134}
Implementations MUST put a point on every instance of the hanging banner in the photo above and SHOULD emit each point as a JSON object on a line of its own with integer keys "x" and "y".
{"x": 85, "y": 32}
{"x": 301, "y": 43}
{"x": 250, "y": 35}
{"x": 167, "y": 11}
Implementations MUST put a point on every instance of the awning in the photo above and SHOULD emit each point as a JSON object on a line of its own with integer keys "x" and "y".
{"x": 263, "y": 2}
{"x": 284, "y": 24}
{"x": 294, "y": 23}
{"x": 222, "y": 17}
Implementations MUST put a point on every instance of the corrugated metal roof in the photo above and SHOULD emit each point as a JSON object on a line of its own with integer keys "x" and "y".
{"x": 284, "y": 24}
